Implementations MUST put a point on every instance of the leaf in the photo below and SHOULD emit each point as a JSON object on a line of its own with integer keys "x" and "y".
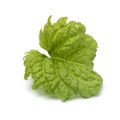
{"x": 68, "y": 72}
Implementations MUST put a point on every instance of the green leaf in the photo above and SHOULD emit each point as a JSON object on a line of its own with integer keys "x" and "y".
{"x": 55, "y": 34}
{"x": 68, "y": 72}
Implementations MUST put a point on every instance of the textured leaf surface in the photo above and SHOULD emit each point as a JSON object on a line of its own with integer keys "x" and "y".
{"x": 69, "y": 70}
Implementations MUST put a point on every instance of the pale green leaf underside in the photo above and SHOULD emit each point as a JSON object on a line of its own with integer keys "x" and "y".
{"x": 69, "y": 70}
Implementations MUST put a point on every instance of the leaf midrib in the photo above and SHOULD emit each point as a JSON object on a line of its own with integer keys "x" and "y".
{"x": 61, "y": 78}
{"x": 65, "y": 60}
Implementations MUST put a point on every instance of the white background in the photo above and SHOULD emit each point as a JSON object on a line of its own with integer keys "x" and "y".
{"x": 20, "y": 22}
